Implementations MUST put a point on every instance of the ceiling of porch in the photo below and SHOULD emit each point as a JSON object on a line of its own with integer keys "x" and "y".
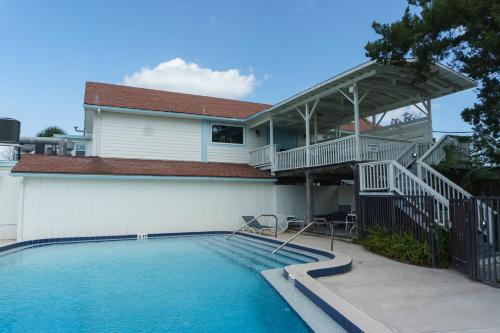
{"x": 387, "y": 87}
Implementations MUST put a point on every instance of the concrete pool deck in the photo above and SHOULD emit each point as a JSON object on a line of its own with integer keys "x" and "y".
{"x": 407, "y": 298}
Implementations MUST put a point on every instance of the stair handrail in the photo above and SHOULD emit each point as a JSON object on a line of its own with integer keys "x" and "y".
{"x": 448, "y": 182}
{"x": 419, "y": 181}
{"x": 410, "y": 150}
{"x": 255, "y": 219}
{"x": 292, "y": 238}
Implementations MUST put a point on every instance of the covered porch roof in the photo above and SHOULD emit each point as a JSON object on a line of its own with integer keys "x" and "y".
{"x": 380, "y": 88}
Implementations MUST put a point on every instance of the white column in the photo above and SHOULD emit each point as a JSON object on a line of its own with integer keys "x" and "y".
{"x": 315, "y": 128}
{"x": 308, "y": 135}
{"x": 356, "y": 122}
{"x": 428, "y": 107}
{"x": 271, "y": 142}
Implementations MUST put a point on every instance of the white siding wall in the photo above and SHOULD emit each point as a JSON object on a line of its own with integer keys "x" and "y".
{"x": 58, "y": 207}
{"x": 136, "y": 136}
{"x": 291, "y": 200}
{"x": 9, "y": 198}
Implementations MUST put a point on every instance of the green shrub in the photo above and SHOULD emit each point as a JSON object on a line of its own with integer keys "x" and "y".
{"x": 401, "y": 247}
{"x": 443, "y": 247}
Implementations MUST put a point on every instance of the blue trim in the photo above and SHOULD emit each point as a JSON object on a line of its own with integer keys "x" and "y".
{"x": 204, "y": 135}
{"x": 7, "y": 163}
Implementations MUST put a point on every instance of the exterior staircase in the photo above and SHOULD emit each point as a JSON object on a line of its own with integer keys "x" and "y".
{"x": 411, "y": 174}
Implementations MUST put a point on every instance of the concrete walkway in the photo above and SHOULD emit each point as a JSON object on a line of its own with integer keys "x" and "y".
{"x": 407, "y": 298}
{"x": 6, "y": 241}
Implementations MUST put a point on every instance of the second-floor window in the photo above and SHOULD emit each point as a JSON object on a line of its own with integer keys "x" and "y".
{"x": 227, "y": 134}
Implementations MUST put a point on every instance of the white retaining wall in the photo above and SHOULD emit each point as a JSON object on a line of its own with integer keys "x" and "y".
{"x": 9, "y": 198}
{"x": 51, "y": 207}
{"x": 67, "y": 207}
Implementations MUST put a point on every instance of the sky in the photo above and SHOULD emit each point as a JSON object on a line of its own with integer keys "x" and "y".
{"x": 261, "y": 51}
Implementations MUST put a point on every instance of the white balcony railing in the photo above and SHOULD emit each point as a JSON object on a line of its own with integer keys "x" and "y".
{"x": 340, "y": 151}
{"x": 262, "y": 156}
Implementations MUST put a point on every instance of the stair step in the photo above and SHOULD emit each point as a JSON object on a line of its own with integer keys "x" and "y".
{"x": 284, "y": 252}
{"x": 236, "y": 257}
{"x": 254, "y": 257}
{"x": 264, "y": 253}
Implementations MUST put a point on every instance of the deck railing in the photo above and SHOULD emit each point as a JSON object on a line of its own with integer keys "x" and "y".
{"x": 340, "y": 151}
{"x": 262, "y": 156}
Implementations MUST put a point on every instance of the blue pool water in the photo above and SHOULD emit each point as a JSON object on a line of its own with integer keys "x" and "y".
{"x": 176, "y": 284}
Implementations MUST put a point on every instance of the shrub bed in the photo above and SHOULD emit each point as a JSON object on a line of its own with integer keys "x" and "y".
{"x": 405, "y": 248}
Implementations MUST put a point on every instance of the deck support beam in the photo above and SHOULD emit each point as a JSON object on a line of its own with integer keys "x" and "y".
{"x": 271, "y": 142}
{"x": 309, "y": 197}
{"x": 356, "y": 121}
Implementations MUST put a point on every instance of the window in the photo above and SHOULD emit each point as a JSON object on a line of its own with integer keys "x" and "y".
{"x": 80, "y": 150}
{"x": 227, "y": 134}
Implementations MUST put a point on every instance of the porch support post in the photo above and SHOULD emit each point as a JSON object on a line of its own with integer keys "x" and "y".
{"x": 428, "y": 108}
{"x": 356, "y": 122}
{"x": 308, "y": 135}
{"x": 315, "y": 128}
{"x": 271, "y": 142}
{"x": 309, "y": 198}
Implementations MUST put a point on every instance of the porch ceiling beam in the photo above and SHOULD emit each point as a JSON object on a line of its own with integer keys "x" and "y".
{"x": 421, "y": 110}
{"x": 300, "y": 112}
{"x": 331, "y": 90}
{"x": 363, "y": 96}
{"x": 346, "y": 96}
{"x": 313, "y": 108}
{"x": 381, "y": 117}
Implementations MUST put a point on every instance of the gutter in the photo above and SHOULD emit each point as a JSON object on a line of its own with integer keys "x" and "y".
{"x": 138, "y": 177}
{"x": 92, "y": 107}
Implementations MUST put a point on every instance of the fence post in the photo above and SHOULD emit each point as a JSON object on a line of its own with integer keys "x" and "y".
{"x": 357, "y": 202}
{"x": 432, "y": 228}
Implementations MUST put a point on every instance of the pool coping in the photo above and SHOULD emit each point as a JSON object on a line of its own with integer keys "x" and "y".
{"x": 303, "y": 276}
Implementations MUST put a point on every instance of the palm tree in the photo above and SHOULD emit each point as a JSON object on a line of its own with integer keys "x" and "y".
{"x": 50, "y": 131}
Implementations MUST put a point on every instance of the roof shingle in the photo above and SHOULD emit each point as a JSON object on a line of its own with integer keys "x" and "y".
{"x": 133, "y": 167}
{"x": 104, "y": 94}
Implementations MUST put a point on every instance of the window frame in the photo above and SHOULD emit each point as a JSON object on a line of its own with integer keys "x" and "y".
{"x": 227, "y": 143}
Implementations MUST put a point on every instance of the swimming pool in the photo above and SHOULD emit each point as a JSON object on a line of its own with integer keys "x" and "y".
{"x": 178, "y": 284}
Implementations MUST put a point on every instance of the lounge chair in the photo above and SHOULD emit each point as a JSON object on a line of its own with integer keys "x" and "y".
{"x": 293, "y": 221}
{"x": 338, "y": 217}
{"x": 254, "y": 225}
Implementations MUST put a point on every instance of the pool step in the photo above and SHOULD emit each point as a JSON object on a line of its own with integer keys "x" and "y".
{"x": 244, "y": 261}
{"x": 273, "y": 262}
{"x": 302, "y": 258}
{"x": 259, "y": 250}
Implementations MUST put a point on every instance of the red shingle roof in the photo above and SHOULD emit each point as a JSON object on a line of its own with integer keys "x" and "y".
{"x": 104, "y": 94}
{"x": 135, "y": 167}
{"x": 364, "y": 125}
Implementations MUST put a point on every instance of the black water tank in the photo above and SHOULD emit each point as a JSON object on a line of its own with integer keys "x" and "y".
{"x": 9, "y": 130}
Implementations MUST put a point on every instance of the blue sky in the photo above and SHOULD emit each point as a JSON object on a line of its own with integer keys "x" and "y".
{"x": 50, "y": 48}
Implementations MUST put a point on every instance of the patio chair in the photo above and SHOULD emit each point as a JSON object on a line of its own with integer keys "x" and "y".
{"x": 254, "y": 225}
{"x": 338, "y": 217}
{"x": 294, "y": 221}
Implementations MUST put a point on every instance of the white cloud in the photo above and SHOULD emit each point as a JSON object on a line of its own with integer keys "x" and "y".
{"x": 180, "y": 76}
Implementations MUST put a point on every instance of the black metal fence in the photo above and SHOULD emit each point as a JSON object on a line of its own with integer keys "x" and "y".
{"x": 412, "y": 215}
{"x": 476, "y": 238}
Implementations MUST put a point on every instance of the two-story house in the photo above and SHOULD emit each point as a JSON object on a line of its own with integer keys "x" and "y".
{"x": 165, "y": 162}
